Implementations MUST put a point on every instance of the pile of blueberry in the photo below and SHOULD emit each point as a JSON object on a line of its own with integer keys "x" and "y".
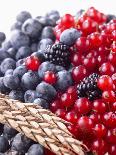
{"x": 66, "y": 65}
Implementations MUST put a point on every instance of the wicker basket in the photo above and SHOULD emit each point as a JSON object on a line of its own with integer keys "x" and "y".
{"x": 40, "y": 125}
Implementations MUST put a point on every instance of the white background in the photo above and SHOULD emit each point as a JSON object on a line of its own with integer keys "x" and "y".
{"x": 10, "y": 8}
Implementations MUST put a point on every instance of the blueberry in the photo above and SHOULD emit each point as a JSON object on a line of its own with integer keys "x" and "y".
{"x": 9, "y": 72}
{"x": 46, "y": 91}
{"x": 48, "y": 32}
{"x": 34, "y": 47}
{"x": 1, "y": 128}
{"x": 23, "y": 16}
{"x": 36, "y": 149}
{"x": 44, "y": 42}
{"x": 3, "y": 54}
{"x": 16, "y": 26}
{"x": 30, "y": 80}
{"x": 52, "y": 12}
{"x": 7, "y": 63}
{"x": 59, "y": 68}
{"x": 12, "y": 52}
{"x": 17, "y": 95}
{"x": 20, "y": 71}
{"x": 19, "y": 39}
{"x": 69, "y": 36}
{"x": 3, "y": 88}
{"x": 30, "y": 96}
{"x": 32, "y": 27}
{"x": 4, "y": 145}
{"x": 9, "y": 132}
{"x": 110, "y": 17}
{"x": 20, "y": 62}
{"x": 45, "y": 66}
{"x": 41, "y": 102}
{"x": 64, "y": 80}
{"x": 40, "y": 55}
{"x": 21, "y": 143}
{"x": 46, "y": 21}
{"x": 23, "y": 52}
{"x": 6, "y": 45}
{"x": 2, "y": 36}
{"x": 11, "y": 81}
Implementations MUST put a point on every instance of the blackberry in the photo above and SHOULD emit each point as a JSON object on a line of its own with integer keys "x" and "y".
{"x": 88, "y": 87}
{"x": 58, "y": 54}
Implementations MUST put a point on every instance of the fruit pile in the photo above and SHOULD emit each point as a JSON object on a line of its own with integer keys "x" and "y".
{"x": 66, "y": 65}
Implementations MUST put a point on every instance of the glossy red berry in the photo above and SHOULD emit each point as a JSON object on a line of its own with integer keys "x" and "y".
{"x": 61, "y": 113}
{"x": 55, "y": 105}
{"x": 112, "y": 58}
{"x": 50, "y": 77}
{"x": 113, "y": 107}
{"x": 90, "y": 63}
{"x": 114, "y": 78}
{"x": 109, "y": 96}
{"x": 73, "y": 92}
{"x": 99, "y": 147}
{"x": 113, "y": 47}
{"x": 82, "y": 44}
{"x": 106, "y": 69}
{"x": 105, "y": 82}
{"x": 100, "y": 130}
{"x": 111, "y": 136}
{"x": 71, "y": 117}
{"x": 112, "y": 149}
{"x": 67, "y": 100}
{"x": 99, "y": 106}
{"x": 114, "y": 35}
{"x": 73, "y": 129}
{"x": 67, "y": 21}
{"x": 95, "y": 117}
{"x": 78, "y": 73}
{"x": 82, "y": 106}
{"x": 76, "y": 59}
{"x": 32, "y": 63}
{"x": 109, "y": 119}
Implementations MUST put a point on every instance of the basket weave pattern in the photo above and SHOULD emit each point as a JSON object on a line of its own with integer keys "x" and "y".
{"x": 39, "y": 125}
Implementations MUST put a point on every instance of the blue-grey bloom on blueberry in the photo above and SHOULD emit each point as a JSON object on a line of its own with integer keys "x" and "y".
{"x": 41, "y": 102}
{"x": 17, "y": 95}
{"x": 30, "y": 96}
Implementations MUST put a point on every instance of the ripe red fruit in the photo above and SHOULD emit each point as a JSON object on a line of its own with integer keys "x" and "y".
{"x": 109, "y": 119}
{"x": 112, "y": 149}
{"x": 73, "y": 92}
{"x": 61, "y": 113}
{"x": 67, "y": 21}
{"x": 112, "y": 58}
{"x": 50, "y": 77}
{"x": 82, "y": 44}
{"x": 85, "y": 124}
{"x": 78, "y": 73}
{"x": 99, "y": 106}
{"x": 55, "y": 105}
{"x": 76, "y": 59}
{"x": 67, "y": 100}
{"x": 111, "y": 136}
{"x": 90, "y": 63}
{"x": 113, "y": 107}
{"x": 95, "y": 117}
{"x": 105, "y": 82}
{"x": 114, "y": 78}
{"x": 71, "y": 117}
{"x": 100, "y": 130}
{"x": 109, "y": 96}
{"x": 82, "y": 105}
{"x": 32, "y": 63}
{"x": 99, "y": 147}
{"x": 113, "y": 47}
{"x": 73, "y": 129}
{"x": 106, "y": 69}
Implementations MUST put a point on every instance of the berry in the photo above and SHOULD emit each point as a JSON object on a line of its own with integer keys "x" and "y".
{"x": 39, "y": 54}
{"x": 99, "y": 147}
{"x": 114, "y": 78}
{"x": 30, "y": 96}
{"x": 78, "y": 73}
{"x": 55, "y": 105}
{"x": 112, "y": 58}
{"x": 106, "y": 69}
{"x": 46, "y": 91}
{"x": 112, "y": 149}
{"x": 41, "y": 102}
{"x": 88, "y": 87}
{"x": 32, "y": 27}
{"x": 48, "y": 32}
{"x": 2, "y": 37}
{"x": 6, "y": 64}
{"x": 32, "y": 63}
{"x": 99, "y": 106}
{"x": 30, "y": 80}
{"x": 3, "y": 88}
{"x": 67, "y": 100}
{"x": 82, "y": 105}
{"x": 50, "y": 77}
{"x": 17, "y": 95}
{"x": 105, "y": 83}
{"x": 111, "y": 136}
{"x": 58, "y": 54}
{"x": 64, "y": 80}
{"x": 90, "y": 63}
{"x": 82, "y": 44}
{"x": 44, "y": 43}
{"x": 109, "y": 96}
{"x": 4, "y": 145}
{"x": 23, "y": 16}
{"x": 68, "y": 21}
{"x": 36, "y": 149}
{"x": 76, "y": 59}
{"x": 100, "y": 130}
{"x": 71, "y": 117}
{"x": 113, "y": 107}
{"x": 12, "y": 52}
{"x": 61, "y": 113}
{"x": 19, "y": 39}
{"x": 69, "y": 36}
{"x": 23, "y": 52}
{"x": 95, "y": 117}
{"x": 19, "y": 71}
